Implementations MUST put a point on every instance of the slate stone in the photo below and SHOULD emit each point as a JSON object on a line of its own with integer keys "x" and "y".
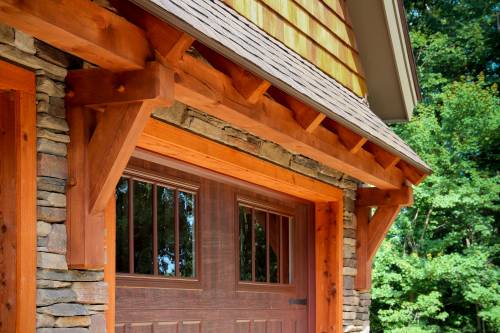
{"x": 52, "y": 166}
{"x": 43, "y": 228}
{"x": 45, "y": 120}
{"x": 56, "y": 240}
{"x": 51, "y": 184}
{"x": 43, "y": 133}
{"x": 51, "y": 147}
{"x": 64, "y": 310}
{"x": 51, "y": 296}
{"x": 51, "y": 261}
{"x": 51, "y": 214}
{"x": 71, "y": 275}
{"x": 51, "y": 284}
{"x": 73, "y": 321}
{"x": 44, "y": 320}
{"x": 91, "y": 292}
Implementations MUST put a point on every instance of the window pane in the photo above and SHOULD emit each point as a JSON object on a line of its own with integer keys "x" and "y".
{"x": 245, "y": 221}
{"x": 122, "y": 253}
{"x": 274, "y": 247}
{"x": 285, "y": 257}
{"x": 143, "y": 225}
{"x": 166, "y": 231}
{"x": 260, "y": 246}
{"x": 187, "y": 225}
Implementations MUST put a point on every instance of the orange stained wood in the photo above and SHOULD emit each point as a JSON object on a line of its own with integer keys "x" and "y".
{"x": 248, "y": 85}
{"x": 354, "y": 142}
{"x": 329, "y": 264}
{"x": 17, "y": 199}
{"x": 99, "y": 87}
{"x": 81, "y": 28}
{"x": 203, "y": 87}
{"x": 374, "y": 197}
{"x": 412, "y": 174}
{"x": 383, "y": 157}
{"x": 171, "y": 49}
{"x": 378, "y": 226}
{"x": 110, "y": 266}
{"x": 169, "y": 140}
{"x": 362, "y": 281}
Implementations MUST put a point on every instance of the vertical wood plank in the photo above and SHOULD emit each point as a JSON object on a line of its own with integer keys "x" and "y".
{"x": 110, "y": 266}
{"x": 362, "y": 217}
{"x": 329, "y": 262}
{"x": 26, "y": 210}
{"x": 17, "y": 200}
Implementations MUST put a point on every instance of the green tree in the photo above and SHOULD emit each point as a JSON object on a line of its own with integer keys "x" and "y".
{"x": 438, "y": 270}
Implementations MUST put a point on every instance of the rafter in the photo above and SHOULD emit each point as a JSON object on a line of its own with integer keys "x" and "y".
{"x": 207, "y": 89}
{"x": 170, "y": 49}
{"x": 382, "y": 156}
{"x": 412, "y": 174}
{"x": 248, "y": 85}
{"x": 81, "y": 28}
{"x": 354, "y": 142}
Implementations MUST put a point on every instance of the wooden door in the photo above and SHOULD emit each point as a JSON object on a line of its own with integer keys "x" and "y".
{"x": 216, "y": 301}
{"x": 17, "y": 199}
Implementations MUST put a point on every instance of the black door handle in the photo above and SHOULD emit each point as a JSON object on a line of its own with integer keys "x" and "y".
{"x": 297, "y": 301}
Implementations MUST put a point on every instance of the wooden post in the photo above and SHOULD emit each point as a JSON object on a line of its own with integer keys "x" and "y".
{"x": 110, "y": 266}
{"x": 329, "y": 266}
{"x": 17, "y": 199}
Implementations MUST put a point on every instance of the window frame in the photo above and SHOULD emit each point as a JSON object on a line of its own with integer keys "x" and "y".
{"x": 256, "y": 286}
{"x": 156, "y": 280}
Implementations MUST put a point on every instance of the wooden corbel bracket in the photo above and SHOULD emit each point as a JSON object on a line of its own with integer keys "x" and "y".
{"x": 107, "y": 113}
{"x": 371, "y": 230}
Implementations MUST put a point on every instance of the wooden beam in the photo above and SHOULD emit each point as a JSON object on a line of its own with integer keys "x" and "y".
{"x": 354, "y": 142}
{"x": 382, "y": 156}
{"x": 16, "y": 78}
{"x": 17, "y": 199}
{"x": 412, "y": 174}
{"x": 207, "y": 89}
{"x": 180, "y": 144}
{"x": 109, "y": 149}
{"x": 362, "y": 281}
{"x": 81, "y": 28}
{"x": 374, "y": 197}
{"x": 306, "y": 116}
{"x": 169, "y": 43}
{"x": 329, "y": 266}
{"x": 379, "y": 224}
{"x": 248, "y": 85}
{"x": 98, "y": 87}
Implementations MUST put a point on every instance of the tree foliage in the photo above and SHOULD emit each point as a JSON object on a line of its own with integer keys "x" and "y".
{"x": 438, "y": 270}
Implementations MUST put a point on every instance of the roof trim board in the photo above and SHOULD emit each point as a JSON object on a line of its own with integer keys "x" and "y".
{"x": 224, "y": 30}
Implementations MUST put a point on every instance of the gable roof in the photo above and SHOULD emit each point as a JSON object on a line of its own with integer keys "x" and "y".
{"x": 224, "y": 30}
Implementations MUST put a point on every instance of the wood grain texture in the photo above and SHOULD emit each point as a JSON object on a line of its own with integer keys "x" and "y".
{"x": 373, "y": 197}
{"x": 378, "y": 226}
{"x": 16, "y": 78}
{"x": 17, "y": 201}
{"x": 218, "y": 305}
{"x": 329, "y": 264}
{"x": 110, "y": 265}
{"x": 171, "y": 141}
{"x": 207, "y": 89}
{"x": 317, "y": 31}
{"x": 362, "y": 281}
{"x": 70, "y": 25}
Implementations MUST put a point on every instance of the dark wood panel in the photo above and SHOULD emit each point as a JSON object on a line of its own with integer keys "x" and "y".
{"x": 219, "y": 304}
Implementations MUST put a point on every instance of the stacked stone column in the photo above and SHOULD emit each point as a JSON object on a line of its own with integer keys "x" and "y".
{"x": 68, "y": 301}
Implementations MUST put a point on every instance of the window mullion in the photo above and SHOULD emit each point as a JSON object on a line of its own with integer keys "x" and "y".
{"x": 268, "y": 263}
{"x": 253, "y": 244}
{"x": 177, "y": 240}
{"x": 155, "y": 230}
{"x": 131, "y": 224}
{"x": 280, "y": 255}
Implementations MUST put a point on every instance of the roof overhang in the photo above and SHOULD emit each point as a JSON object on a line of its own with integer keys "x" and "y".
{"x": 382, "y": 35}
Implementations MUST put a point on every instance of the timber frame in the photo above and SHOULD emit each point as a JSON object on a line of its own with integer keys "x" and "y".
{"x": 146, "y": 63}
{"x": 18, "y": 198}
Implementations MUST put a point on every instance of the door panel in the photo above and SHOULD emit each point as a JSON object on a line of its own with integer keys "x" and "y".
{"x": 220, "y": 304}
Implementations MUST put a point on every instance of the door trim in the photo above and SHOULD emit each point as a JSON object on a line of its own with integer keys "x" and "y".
{"x": 21, "y": 158}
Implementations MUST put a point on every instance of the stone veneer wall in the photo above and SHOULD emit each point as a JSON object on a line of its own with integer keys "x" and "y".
{"x": 356, "y": 305}
{"x": 68, "y": 301}
{"x": 74, "y": 301}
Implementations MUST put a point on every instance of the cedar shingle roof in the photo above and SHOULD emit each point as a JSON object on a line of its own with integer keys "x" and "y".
{"x": 223, "y": 29}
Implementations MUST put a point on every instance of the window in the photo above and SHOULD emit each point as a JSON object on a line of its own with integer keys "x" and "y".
{"x": 155, "y": 228}
{"x": 264, "y": 245}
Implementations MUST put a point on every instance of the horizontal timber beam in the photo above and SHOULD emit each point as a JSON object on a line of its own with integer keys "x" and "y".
{"x": 374, "y": 197}
{"x": 82, "y": 28}
{"x": 180, "y": 144}
{"x": 207, "y": 89}
{"x": 98, "y": 87}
